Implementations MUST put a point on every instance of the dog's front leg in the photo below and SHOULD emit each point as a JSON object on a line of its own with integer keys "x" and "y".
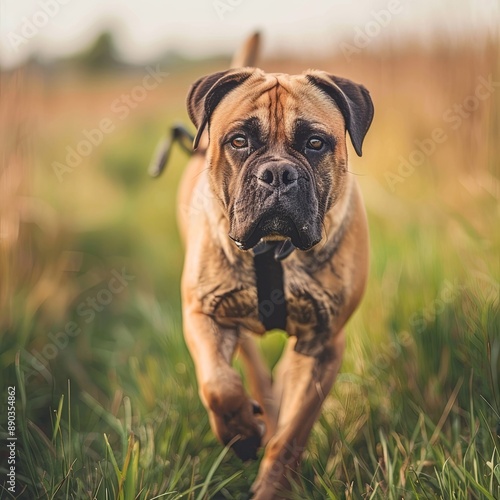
{"x": 232, "y": 413}
{"x": 304, "y": 382}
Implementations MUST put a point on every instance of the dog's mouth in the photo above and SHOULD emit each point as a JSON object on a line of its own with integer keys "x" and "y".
{"x": 275, "y": 228}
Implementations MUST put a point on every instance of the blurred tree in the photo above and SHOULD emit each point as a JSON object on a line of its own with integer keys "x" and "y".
{"x": 101, "y": 55}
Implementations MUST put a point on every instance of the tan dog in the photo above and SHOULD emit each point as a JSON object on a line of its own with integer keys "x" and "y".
{"x": 276, "y": 236}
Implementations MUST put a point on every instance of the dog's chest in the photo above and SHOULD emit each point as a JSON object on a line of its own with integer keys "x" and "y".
{"x": 283, "y": 296}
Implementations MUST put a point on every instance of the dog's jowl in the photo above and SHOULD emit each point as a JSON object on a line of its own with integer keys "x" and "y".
{"x": 277, "y": 238}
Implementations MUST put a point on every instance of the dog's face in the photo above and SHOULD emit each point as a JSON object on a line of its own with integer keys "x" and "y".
{"x": 277, "y": 153}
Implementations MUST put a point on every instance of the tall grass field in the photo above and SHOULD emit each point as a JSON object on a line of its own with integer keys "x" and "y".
{"x": 98, "y": 392}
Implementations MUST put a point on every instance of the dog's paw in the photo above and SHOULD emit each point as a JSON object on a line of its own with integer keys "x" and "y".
{"x": 246, "y": 449}
{"x": 235, "y": 418}
{"x": 245, "y": 429}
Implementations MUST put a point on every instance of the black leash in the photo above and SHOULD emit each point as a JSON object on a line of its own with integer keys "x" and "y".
{"x": 267, "y": 259}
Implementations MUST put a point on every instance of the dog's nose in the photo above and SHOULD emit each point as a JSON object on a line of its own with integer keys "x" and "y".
{"x": 277, "y": 175}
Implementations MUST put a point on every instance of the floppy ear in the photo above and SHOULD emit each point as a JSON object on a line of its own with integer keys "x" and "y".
{"x": 206, "y": 93}
{"x": 353, "y": 100}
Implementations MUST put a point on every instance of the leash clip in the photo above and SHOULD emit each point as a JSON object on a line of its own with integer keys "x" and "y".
{"x": 282, "y": 249}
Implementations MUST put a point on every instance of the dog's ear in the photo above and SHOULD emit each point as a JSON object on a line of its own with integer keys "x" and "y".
{"x": 206, "y": 93}
{"x": 353, "y": 100}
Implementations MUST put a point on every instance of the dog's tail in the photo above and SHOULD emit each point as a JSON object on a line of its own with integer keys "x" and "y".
{"x": 248, "y": 53}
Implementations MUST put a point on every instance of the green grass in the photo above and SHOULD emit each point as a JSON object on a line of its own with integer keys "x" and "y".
{"x": 409, "y": 431}
{"x": 415, "y": 412}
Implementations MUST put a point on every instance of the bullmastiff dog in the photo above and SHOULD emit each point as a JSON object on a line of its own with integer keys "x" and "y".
{"x": 276, "y": 236}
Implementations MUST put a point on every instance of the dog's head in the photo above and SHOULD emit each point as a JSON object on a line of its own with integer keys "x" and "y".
{"x": 277, "y": 153}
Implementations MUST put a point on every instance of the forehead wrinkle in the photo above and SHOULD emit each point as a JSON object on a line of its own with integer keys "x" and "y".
{"x": 277, "y": 96}
{"x": 278, "y": 101}
{"x": 253, "y": 101}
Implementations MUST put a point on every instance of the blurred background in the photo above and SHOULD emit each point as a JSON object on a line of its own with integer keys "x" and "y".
{"x": 90, "y": 258}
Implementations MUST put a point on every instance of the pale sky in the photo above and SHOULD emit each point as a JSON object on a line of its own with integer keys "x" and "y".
{"x": 146, "y": 28}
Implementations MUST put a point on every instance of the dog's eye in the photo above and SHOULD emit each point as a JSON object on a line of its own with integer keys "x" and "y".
{"x": 315, "y": 143}
{"x": 239, "y": 142}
